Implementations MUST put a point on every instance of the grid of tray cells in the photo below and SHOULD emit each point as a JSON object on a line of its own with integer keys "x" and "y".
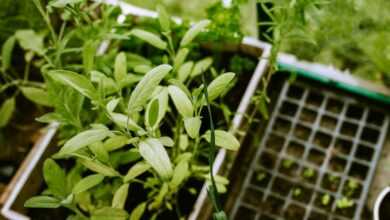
{"x": 316, "y": 160}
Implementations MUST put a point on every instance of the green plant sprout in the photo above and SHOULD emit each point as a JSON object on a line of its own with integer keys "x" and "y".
{"x": 308, "y": 173}
{"x": 333, "y": 179}
{"x": 352, "y": 186}
{"x": 297, "y": 192}
{"x": 287, "y": 163}
{"x": 344, "y": 203}
{"x": 261, "y": 176}
{"x": 325, "y": 199}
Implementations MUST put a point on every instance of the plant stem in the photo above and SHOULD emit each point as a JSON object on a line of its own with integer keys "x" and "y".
{"x": 214, "y": 192}
{"x": 46, "y": 18}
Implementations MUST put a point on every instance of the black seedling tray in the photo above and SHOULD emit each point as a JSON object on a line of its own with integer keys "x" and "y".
{"x": 318, "y": 148}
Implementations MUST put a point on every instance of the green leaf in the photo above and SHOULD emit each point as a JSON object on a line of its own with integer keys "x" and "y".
{"x": 115, "y": 142}
{"x": 156, "y": 109}
{"x": 120, "y": 196}
{"x": 220, "y": 216}
{"x": 152, "y": 113}
{"x": 83, "y": 139}
{"x": 36, "y": 95}
{"x": 120, "y": 68}
{"x": 185, "y": 71}
{"x": 166, "y": 141}
{"x": 125, "y": 122}
{"x": 223, "y": 139}
{"x": 63, "y": 3}
{"x": 193, "y": 32}
{"x": 49, "y": 117}
{"x": 155, "y": 154}
{"x": 110, "y": 213}
{"x": 99, "y": 167}
{"x": 42, "y": 202}
{"x": 87, "y": 183}
{"x": 219, "y": 85}
{"x": 136, "y": 170}
{"x": 29, "y": 40}
{"x": 142, "y": 68}
{"x": 111, "y": 105}
{"x": 201, "y": 66}
{"x": 6, "y": 111}
{"x": 55, "y": 178}
{"x": 99, "y": 151}
{"x": 105, "y": 82}
{"x": 192, "y": 126}
{"x": 6, "y": 52}
{"x": 163, "y": 18}
{"x": 150, "y": 38}
{"x": 76, "y": 81}
{"x": 183, "y": 142}
{"x": 89, "y": 51}
{"x": 124, "y": 157}
{"x": 144, "y": 88}
{"x": 180, "y": 57}
{"x": 181, "y": 86}
{"x": 181, "y": 101}
{"x": 180, "y": 173}
{"x": 137, "y": 213}
{"x": 136, "y": 59}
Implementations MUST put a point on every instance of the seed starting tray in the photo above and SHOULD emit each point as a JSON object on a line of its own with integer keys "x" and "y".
{"x": 316, "y": 160}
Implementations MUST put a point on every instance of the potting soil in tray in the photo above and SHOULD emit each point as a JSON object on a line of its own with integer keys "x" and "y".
{"x": 316, "y": 158}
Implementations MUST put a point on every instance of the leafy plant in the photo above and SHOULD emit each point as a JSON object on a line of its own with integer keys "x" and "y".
{"x": 126, "y": 128}
{"x": 344, "y": 203}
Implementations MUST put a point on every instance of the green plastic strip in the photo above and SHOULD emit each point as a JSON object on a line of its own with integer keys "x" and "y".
{"x": 341, "y": 85}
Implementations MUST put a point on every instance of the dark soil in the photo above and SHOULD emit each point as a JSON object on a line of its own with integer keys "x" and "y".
{"x": 17, "y": 139}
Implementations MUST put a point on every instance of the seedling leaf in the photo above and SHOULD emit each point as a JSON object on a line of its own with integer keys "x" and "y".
{"x": 87, "y": 183}
{"x": 150, "y": 38}
{"x": 144, "y": 88}
{"x": 155, "y": 154}
{"x": 42, "y": 202}
{"x": 136, "y": 170}
{"x": 36, "y": 95}
{"x": 193, "y": 32}
{"x": 223, "y": 139}
{"x": 181, "y": 101}
{"x": 6, "y": 111}
{"x": 120, "y": 196}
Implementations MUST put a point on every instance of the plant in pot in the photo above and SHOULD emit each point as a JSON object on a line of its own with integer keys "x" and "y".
{"x": 122, "y": 131}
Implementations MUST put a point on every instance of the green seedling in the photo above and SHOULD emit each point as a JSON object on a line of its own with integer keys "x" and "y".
{"x": 333, "y": 179}
{"x": 344, "y": 203}
{"x": 352, "y": 186}
{"x": 308, "y": 173}
{"x": 297, "y": 192}
{"x": 325, "y": 199}
{"x": 261, "y": 176}
{"x": 287, "y": 163}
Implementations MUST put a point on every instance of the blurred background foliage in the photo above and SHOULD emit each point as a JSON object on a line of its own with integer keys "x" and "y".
{"x": 18, "y": 14}
{"x": 351, "y": 35}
